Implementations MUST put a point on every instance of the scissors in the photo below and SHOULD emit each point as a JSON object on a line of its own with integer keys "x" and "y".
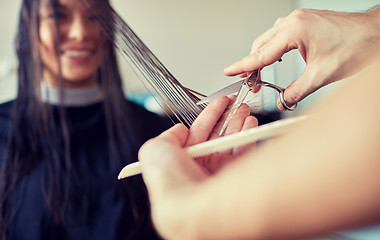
{"x": 244, "y": 87}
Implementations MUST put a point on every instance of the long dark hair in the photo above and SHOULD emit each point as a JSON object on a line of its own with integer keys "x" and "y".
{"x": 33, "y": 131}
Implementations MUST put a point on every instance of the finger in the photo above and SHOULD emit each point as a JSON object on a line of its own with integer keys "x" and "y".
{"x": 175, "y": 135}
{"x": 250, "y": 122}
{"x": 263, "y": 39}
{"x": 266, "y": 55}
{"x": 220, "y": 159}
{"x": 165, "y": 160}
{"x": 258, "y": 43}
{"x": 206, "y": 121}
{"x": 237, "y": 122}
{"x": 300, "y": 88}
{"x": 235, "y": 125}
{"x": 256, "y": 89}
{"x": 171, "y": 140}
{"x": 279, "y": 21}
{"x": 222, "y": 119}
{"x": 243, "y": 75}
{"x": 282, "y": 42}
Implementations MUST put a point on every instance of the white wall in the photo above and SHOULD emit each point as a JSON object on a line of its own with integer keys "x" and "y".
{"x": 8, "y": 23}
{"x": 194, "y": 39}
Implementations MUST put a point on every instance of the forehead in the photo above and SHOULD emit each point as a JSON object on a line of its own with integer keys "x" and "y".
{"x": 68, "y": 4}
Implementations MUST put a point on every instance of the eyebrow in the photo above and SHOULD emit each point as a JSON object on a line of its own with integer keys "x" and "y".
{"x": 54, "y": 4}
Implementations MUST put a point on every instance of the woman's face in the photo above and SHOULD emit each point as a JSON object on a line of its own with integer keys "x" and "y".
{"x": 82, "y": 47}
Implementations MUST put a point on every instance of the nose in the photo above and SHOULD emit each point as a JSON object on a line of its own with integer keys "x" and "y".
{"x": 79, "y": 29}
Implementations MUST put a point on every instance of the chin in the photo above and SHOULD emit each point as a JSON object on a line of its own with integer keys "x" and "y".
{"x": 78, "y": 81}
{"x": 77, "y": 76}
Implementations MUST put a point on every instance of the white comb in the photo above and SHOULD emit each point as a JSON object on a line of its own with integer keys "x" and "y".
{"x": 226, "y": 142}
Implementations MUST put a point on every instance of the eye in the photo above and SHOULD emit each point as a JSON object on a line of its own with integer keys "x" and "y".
{"x": 93, "y": 18}
{"x": 58, "y": 15}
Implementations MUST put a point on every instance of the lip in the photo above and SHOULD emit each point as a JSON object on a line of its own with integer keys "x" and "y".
{"x": 77, "y": 54}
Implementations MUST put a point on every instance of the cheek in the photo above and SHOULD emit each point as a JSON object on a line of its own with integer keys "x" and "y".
{"x": 47, "y": 44}
{"x": 104, "y": 46}
{"x": 104, "y": 42}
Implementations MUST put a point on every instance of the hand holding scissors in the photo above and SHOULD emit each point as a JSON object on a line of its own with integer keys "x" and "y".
{"x": 246, "y": 85}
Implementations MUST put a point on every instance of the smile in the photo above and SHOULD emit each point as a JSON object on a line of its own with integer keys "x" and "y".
{"x": 77, "y": 53}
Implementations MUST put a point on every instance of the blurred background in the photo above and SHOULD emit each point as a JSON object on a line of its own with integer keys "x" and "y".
{"x": 195, "y": 40}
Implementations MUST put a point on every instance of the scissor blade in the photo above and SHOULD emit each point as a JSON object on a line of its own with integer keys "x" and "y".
{"x": 233, "y": 88}
{"x": 244, "y": 90}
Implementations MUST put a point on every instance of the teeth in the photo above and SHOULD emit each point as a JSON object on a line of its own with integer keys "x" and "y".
{"x": 77, "y": 53}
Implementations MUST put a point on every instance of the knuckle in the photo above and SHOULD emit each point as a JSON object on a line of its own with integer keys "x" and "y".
{"x": 292, "y": 97}
{"x": 279, "y": 20}
{"x": 260, "y": 56}
{"x": 256, "y": 44}
{"x": 299, "y": 11}
{"x": 298, "y": 19}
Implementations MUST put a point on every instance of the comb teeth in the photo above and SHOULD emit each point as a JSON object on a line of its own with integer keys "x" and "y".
{"x": 130, "y": 170}
{"x": 227, "y": 142}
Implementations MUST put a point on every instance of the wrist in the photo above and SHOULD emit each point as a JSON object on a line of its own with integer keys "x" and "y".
{"x": 372, "y": 29}
{"x": 374, "y": 16}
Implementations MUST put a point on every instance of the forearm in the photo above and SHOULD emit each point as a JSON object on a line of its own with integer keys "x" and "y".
{"x": 374, "y": 16}
{"x": 322, "y": 177}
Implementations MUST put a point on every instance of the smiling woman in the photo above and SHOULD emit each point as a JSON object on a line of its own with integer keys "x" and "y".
{"x": 82, "y": 44}
{"x": 68, "y": 133}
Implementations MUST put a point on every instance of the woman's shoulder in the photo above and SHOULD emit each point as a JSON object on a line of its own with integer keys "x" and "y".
{"x": 6, "y": 108}
{"x": 5, "y": 115}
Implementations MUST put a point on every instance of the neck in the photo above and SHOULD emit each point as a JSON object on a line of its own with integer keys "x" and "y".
{"x": 53, "y": 80}
{"x": 71, "y": 97}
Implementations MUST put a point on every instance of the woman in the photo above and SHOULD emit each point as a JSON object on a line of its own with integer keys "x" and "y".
{"x": 70, "y": 130}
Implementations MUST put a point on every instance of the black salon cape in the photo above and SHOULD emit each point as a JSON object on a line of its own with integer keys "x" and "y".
{"x": 111, "y": 216}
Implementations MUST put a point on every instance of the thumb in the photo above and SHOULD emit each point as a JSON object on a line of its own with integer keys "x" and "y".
{"x": 175, "y": 137}
{"x": 160, "y": 158}
{"x": 300, "y": 88}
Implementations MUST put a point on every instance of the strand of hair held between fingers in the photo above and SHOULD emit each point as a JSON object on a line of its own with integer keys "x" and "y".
{"x": 227, "y": 142}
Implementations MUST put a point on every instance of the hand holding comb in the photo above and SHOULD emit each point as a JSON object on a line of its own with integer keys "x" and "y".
{"x": 227, "y": 142}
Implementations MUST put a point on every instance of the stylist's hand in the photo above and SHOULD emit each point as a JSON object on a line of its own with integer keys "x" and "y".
{"x": 170, "y": 173}
{"x": 334, "y": 45}
{"x": 205, "y": 127}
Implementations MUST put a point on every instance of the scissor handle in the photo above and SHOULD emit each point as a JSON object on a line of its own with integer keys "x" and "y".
{"x": 280, "y": 91}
